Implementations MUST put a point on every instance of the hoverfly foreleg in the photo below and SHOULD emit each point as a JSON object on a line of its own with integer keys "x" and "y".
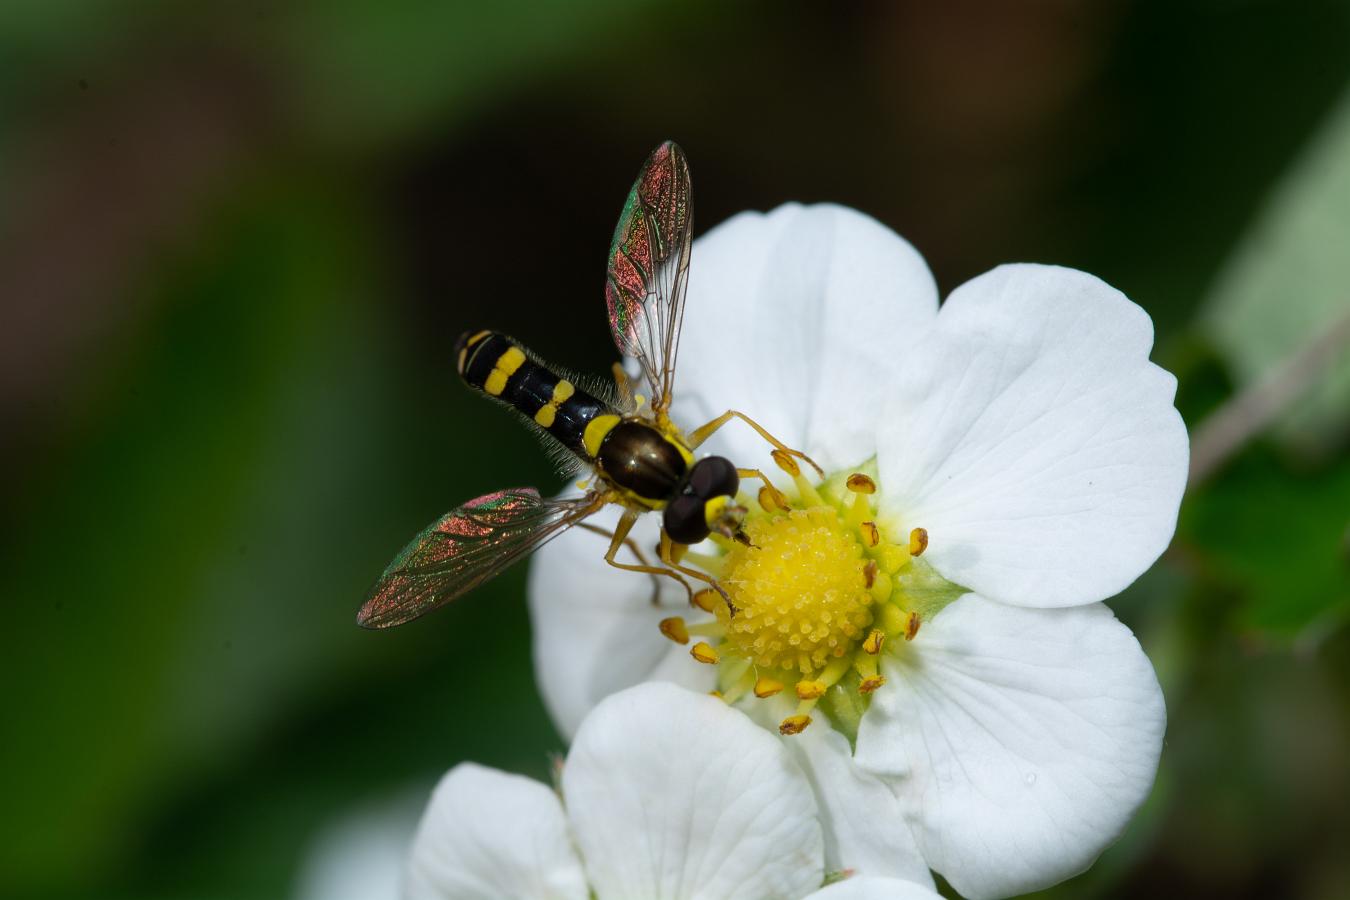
{"x": 619, "y": 538}
{"x": 668, "y": 551}
{"x": 641, "y": 558}
{"x": 702, "y": 433}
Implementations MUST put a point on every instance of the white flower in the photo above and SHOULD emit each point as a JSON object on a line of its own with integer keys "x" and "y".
{"x": 1022, "y": 428}
{"x": 665, "y": 795}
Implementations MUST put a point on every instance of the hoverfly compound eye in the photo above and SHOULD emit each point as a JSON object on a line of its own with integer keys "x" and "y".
{"x": 714, "y": 477}
{"x": 684, "y": 519}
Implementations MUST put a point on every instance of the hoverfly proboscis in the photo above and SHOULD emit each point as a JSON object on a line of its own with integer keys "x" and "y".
{"x": 638, "y": 458}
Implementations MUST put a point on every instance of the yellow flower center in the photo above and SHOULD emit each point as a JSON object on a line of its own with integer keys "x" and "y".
{"x": 799, "y": 590}
{"x": 807, "y": 595}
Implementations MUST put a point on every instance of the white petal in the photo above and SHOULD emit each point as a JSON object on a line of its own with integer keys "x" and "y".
{"x": 488, "y": 835}
{"x": 595, "y": 627}
{"x": 1035, "y": 441}
{"x": 674, "y": 794}
{"x": 875, "y": 889}
{"x": 361, "y": 857}
{"x": 1022, "y": 740}
{"x": 865, "y": 827}
{"x": 793, "y": 318}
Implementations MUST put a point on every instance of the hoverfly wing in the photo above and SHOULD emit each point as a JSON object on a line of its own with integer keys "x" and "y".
{"x": 466, "y": 547}
{"x": 648, "y": 269}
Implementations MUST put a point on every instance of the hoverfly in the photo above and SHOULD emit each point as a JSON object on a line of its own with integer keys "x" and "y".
{"x": 639, "y": 459}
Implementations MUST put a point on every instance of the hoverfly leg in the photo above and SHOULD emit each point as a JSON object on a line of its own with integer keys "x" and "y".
{"x": 702, "y": 433}
{"x": 669, "y": 549}
{"x": 619, "y": 538}
{"x": 641, "y": 558}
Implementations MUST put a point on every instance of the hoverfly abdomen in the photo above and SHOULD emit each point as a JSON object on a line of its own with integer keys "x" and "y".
{"x": 502, "y": 369}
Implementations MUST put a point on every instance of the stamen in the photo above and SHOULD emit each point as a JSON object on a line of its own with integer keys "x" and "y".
{"x": 875, "y": 639}
{"x": 893, "y": 557}
{"x": 867, "y": 668}
{"x": 708, "y": 600}
{"x": 870, "y": 573}
{"x": 771, "y": 499}
{"x": 674, "y": 628}
{"x": 708, "y": 629}
{"x": 859, "y": 511}
{"x": 871, "y": 534}
{"x": 918, "y": 541}
{"x": 741, "y": 685}
{"x": 810, "y": 690}
{"x": 767, "y": 687}
{"x": 794, "y": 724}
{"x": 859, "y": 483}
{"x": 894, "y": 621}
{"x": 785, "y": 462}
{"x": 704, "y": 653}
{"x": 912, "y": 626}
{"x": 881, "y": 587}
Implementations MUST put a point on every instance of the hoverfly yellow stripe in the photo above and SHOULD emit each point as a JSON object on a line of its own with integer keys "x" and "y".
{"x": 596, "y": 429}
{"x": 476, "y": 338}
{"x": 549, "y": 411}
{"x": 511, "y": 360}
{"x": 507, "y": 365}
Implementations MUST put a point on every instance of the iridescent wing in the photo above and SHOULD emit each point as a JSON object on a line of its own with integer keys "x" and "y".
{"x": 466, "y": 547}
{"x": 648, "y": 265}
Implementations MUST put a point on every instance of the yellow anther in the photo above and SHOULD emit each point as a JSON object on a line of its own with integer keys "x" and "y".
{"x": 911, "y": 626}
{"x": 874, "y": 641}
{"x": 785, "y": 462}
{"x": 871, "y": 683}
{"x": 867, "y": 670}
{"x": 708, "y": 600}
{"x": 870, "y": 573}
{"x": 771, "y": 499}
{"x": 810, "y": 690}
{"x": 859, "y": 483}
{"x": 794, "y": 724}
{"x": 674, "y": 628}
{"x": 918, "y": 541}
{"x": 767, "y": 687}
{"x": 871, "y": 534}
{"x": 704, "y": 653}
{"x": 715, "y": 693}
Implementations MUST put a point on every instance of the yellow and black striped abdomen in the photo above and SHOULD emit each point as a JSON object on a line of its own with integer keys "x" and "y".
{"x": 502, "y": 369}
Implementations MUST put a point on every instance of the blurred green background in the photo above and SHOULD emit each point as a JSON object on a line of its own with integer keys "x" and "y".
{"x": 236, "y": 247}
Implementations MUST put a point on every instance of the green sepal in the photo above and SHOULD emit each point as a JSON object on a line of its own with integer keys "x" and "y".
{"x": 926, "y": 592}
{"x": 845, "y": 706}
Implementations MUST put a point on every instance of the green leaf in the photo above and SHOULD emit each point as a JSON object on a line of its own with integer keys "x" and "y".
{"x": 1278, "y": 539}
{"x": 1289, "y": 280}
